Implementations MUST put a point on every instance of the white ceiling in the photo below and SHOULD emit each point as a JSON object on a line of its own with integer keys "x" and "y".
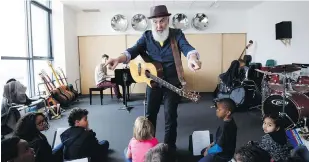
{"x": 79, "y": 5}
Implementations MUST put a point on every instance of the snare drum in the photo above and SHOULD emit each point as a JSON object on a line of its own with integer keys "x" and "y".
{"x": 274, "y": 79}
{"x": 245, "y": 97}
{"x": 296, "y": 106}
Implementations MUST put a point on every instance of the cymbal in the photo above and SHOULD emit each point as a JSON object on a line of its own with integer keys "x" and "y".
{"x": 284, "y": 68}
{"x": 265, "y": 72}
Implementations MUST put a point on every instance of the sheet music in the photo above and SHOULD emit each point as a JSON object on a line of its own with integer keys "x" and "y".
{"x": 200, "y": 140}
{"x": 79, "y": 160}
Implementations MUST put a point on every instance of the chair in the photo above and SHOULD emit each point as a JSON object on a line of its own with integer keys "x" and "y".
{"x": 101, "y": 93}
{"x": 270, "y": 63}
{"x": 9, "y": 119}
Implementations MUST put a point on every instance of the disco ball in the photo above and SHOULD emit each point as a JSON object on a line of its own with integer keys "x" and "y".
{"x": 139, "y": 22}
{"x": 200, "y": 21}
{"x": 181, "y": 21}
{"x": 119, "y": 23}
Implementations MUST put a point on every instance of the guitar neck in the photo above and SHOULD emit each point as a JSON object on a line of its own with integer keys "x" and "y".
{"x": 65, "y": 79}
{"x": 165, "y": 84}
{"x": 48, "y": 87}
{"x": 56, "y": 77}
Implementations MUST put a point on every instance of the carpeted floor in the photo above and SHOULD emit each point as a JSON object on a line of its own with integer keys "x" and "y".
{"x": 116, "y": 125}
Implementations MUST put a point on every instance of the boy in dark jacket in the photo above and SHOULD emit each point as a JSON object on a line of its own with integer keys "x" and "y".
{"x": 223, "y": 148}
{"x": 80, "y": 142}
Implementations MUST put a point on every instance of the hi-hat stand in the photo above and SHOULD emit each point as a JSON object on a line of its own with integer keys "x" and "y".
{"x": 125, "y": 98}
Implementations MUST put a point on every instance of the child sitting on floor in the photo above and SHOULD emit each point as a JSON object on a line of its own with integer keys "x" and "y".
{"x": 80, "y": 141}
{"x": 143, "y": 139}
{"x": 251, "y": 153}
{"x": 275, "y": 141}
{"x": 223, "y": 148}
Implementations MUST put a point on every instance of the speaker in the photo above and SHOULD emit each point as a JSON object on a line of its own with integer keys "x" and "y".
{"x": 284, "y": 30}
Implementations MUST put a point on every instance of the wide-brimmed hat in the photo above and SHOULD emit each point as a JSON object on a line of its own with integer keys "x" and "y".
{"x": 158, "y": 11}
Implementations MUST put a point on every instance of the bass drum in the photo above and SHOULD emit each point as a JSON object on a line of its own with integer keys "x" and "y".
{"x": 297, "y": 106}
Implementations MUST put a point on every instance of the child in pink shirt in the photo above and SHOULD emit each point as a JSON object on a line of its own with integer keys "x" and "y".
{"x": 143, "y": 140}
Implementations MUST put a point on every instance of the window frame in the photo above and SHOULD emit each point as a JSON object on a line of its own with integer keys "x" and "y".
{"x": 29, "y": 41}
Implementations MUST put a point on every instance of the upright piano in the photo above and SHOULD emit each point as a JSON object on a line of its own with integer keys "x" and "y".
{"x": 120, "y": 76}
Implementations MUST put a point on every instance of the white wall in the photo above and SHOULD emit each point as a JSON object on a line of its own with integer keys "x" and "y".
{"x": 58, "y": 34}
{"x": 100, "y": 23}
{"x": 65, "y": 45}
{"x": 71, "y": 45}
{"x": 261, "y": 29}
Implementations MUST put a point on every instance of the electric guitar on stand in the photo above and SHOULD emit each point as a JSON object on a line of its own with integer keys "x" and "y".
{"x": 151, "y": 73}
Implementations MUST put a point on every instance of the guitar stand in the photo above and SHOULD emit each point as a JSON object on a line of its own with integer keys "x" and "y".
{"x": 125, "y": 98}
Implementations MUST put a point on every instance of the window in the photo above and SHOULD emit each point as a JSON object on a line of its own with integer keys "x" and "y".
{"x": 38, "y": 66}
{"x": 14, "y": 69}
{"x": 14, "y": 30}
{"x": 46, "y": 3}
{"x": 27, "y": 38}
{"x": 40, "y": 32}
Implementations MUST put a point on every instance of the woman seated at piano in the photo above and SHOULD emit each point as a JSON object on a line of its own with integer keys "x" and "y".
{"x": 101, "y": 77}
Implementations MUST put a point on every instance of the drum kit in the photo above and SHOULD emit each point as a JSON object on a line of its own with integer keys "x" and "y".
{"x": 285, "y": 95}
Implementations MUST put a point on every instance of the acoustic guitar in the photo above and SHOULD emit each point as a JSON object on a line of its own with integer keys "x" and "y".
{"x": 56, "y": 92}
{"x": 51, "y": 93}
{"x": 50, "y": 101}
{"x": 63, "y": 89}
{"x": 64, "y": 81}
{"x": 151, "y": 73}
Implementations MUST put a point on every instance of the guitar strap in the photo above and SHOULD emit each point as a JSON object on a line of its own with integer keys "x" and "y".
{"x": 177, "y": 59}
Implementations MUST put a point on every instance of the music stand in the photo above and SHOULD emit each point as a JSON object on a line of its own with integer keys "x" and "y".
{"x": 145, "y": 103}
{"x": 125, "y": 98}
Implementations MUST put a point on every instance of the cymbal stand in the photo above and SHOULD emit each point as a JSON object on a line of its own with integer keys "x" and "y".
{"x": 283, "y": 114}
{"x": 264, "y": 88}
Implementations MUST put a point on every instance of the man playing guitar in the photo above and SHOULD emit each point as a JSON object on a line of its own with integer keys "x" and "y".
{"x": 157, "y": 44}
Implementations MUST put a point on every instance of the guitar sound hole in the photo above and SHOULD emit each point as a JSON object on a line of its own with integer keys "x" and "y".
{"x": 147, "y": 73}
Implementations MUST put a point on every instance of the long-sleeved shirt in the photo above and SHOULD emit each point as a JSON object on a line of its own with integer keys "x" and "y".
{"x": 278, "y": 152}
{"x": 164, "y": 53}
{"x": 100, "y": 73}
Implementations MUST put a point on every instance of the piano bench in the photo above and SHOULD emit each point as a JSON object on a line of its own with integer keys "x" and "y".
{"x": 101, "y": 93}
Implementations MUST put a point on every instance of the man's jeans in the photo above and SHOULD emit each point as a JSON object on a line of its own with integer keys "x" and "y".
{"x": 171, "y": 100}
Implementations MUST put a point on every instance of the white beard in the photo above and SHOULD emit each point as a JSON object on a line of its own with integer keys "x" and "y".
{"x": 158, "y": 36}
